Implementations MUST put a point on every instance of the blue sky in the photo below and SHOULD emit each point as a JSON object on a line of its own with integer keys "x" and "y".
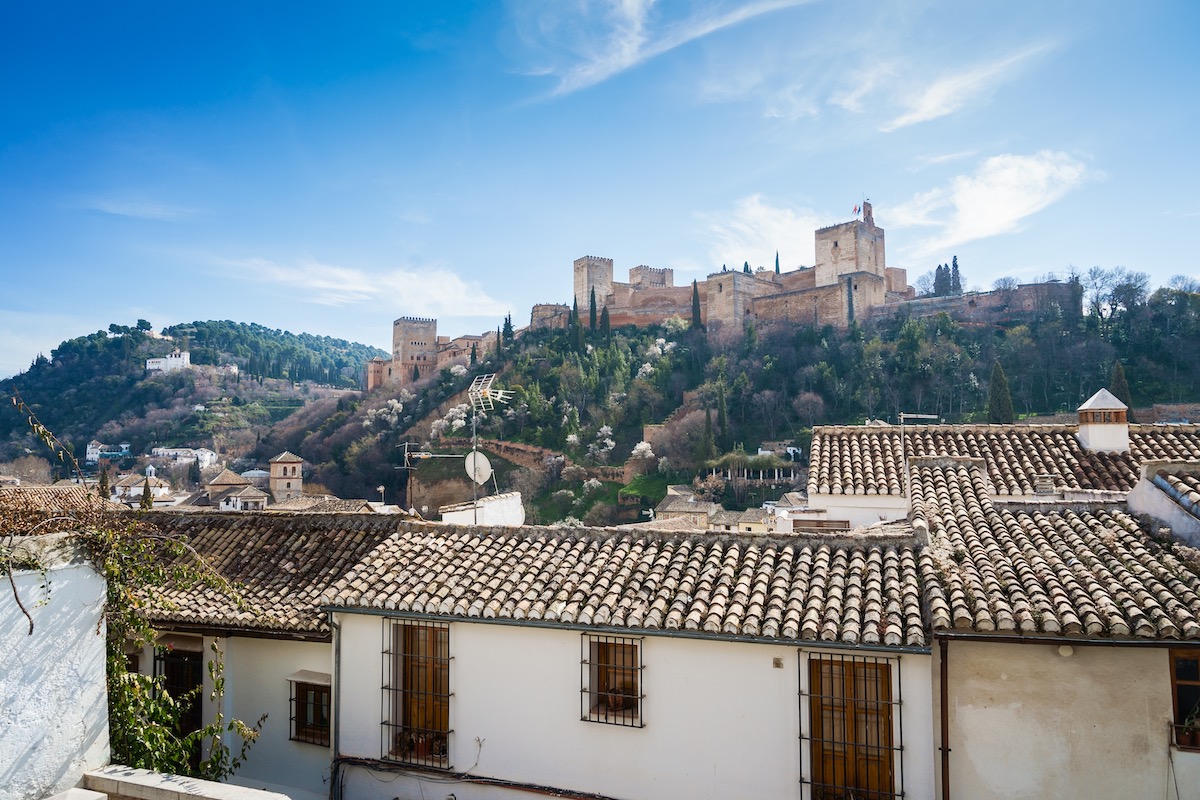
{"x": 328, "y": 169}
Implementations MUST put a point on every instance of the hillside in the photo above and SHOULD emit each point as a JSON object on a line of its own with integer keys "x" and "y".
{"x": 589, "y": 394}
{"x": 96, "y": 386}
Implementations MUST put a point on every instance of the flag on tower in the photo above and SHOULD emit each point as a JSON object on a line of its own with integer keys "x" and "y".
{"x": 856, "y": 210}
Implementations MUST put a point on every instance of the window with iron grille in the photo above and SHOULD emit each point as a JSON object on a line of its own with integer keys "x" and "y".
{"x": 1185, "y": 683}
{"x": 416, "y": 693}
{"x": 611, "y": 680}
{"x": 850, "y": 720}
{"x": 309, "y": 703}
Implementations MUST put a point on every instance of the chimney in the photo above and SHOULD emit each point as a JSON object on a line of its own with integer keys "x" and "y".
{"x": 1104, "y": 424}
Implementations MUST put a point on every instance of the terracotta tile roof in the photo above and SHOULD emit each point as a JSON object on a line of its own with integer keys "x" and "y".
{"x": 867, "y": 460}
{"x": 283, "y": 563}
{"x": 775, "y": 588}
{"x": 1023, "y": 570}
{"x": 1182, "y": 487}
{"x": 228, "y": 477}
{"x": 323, "y": 504}
{"x": 64, "y": 500}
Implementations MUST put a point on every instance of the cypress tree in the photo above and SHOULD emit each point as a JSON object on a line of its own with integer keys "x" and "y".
{"x": 1119, "y": 386}
{"x": 746, "y": 267}
{"x": 710, "y": 444}
{"x": 776, "y": 262}
{"x": 605, "y": 329}
{"x": 955, "y": 278}
{"x": 592, "y": 311}
{"x": 697, "y": 324}
{"x": 147, "y": 502}
{"x": 474, "y": 354}
{"x": 102, "y": 484}
{"x": 722, "y": 417}
{"x": 416, "y": 373}
{"x": 508, "y": 327}
{"x": 1000, "y": 407}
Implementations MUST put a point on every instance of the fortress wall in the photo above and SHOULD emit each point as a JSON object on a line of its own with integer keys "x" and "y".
{"x": 798, "y": 280}
{"x": 989, "y": 307}
{"x": 549, "y": 315}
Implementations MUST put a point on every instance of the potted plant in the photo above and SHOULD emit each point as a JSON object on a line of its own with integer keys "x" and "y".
{"x": 1188, "y": 734}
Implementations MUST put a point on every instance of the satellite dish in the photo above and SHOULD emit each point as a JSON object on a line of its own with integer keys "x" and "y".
{"x": 478, "y": 467}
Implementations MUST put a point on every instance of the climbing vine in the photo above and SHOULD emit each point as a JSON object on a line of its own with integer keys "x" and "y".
{"x": 135, "y": 558}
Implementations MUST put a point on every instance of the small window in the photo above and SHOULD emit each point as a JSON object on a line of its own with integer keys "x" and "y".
{"x": 611, "y": 680}
{"x": 310, "y": 707}
{"x": 1185, "y": 686}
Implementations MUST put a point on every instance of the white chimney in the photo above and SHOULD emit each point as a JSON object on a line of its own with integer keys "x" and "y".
{"x": 1104, "y": 424}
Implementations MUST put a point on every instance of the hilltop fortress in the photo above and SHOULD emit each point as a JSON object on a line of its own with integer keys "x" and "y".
{"x": 850, "y": 281}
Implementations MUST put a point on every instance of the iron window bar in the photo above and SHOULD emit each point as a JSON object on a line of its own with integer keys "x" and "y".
{"x": 415, "y": 697}
{"x": 851, "y": 729}
{"x": 611, "y": 680}
{"x": 309, "y": 704}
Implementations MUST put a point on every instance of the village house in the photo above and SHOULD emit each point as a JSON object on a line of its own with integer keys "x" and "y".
{"x": 274, "y": 639}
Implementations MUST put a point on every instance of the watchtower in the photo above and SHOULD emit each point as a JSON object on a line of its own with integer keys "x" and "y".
{"x": 855, "y": 246}
{"x": 414, "y": 348}
{"x": 593, "y": 272}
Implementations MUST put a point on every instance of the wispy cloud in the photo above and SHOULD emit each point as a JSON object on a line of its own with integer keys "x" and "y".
{"x": 630, "y": 38}
{"x": 952, "y": 92}
{"x": 427, "y": 290}
{"x": 138, "y": 208}
{"x": 851, "y": 97}
{"x": 1003, "y": 191}
{"x": 754, "y": 230}
{"x": 944, "y": 158}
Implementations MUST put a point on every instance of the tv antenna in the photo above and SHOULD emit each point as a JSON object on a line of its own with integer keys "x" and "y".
{"x": 483, "y": 398}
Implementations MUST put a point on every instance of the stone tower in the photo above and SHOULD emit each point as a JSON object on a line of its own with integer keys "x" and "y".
{"x": 592, "y": 272}
{"x": 287, "y": 476}
{"x": 850, "y": 247}
{"x": 414, "y": 348}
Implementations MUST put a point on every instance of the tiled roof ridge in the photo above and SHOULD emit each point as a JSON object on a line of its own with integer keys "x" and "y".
{"x": 1094, "y": 573}
{"x": 775, "y": 587}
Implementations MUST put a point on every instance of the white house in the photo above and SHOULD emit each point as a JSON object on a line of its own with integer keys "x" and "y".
{"x": 607, "y": 663}
{"x": 498, "y": 509}
{"x": 276, "y": 643}
{"x": 175, "y": 360}
{"x": 54, "y": 725}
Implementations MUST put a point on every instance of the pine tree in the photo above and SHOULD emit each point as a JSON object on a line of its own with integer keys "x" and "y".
{"x": 592, "y": 311}
{"x": 1000, "y": 407}
{"x": 147, "y": 502}
{"x": 776, "y": 262}
{"x": 955, "y": 278}
{"x": 605, "y": 329}
{"x": 697, "y": 324}
{"x": 1119, "y": 386}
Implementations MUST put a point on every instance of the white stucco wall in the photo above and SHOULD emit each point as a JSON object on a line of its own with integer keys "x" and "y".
{"x": 721, "y": 720}
{"x": 1027, "y": 722}
{"x": 53, "y": 702}
{"x": 861, "y": 509}
{"x": 256, "y": 682}
{"x": 1147, "y": 498}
